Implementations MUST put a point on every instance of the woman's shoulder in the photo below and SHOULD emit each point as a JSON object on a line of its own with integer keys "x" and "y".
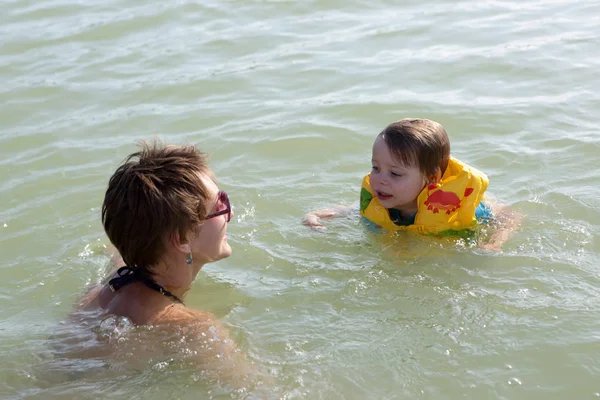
{"x": 90, "y": 298}
{"x": 180, "y": 315}
{"x": 195, "y": 324}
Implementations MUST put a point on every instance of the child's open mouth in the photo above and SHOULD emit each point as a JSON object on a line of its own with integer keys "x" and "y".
{"x": 383, "y": 195}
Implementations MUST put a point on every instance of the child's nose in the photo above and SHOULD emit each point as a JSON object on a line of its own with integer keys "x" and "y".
{"x": 383, "y": 180}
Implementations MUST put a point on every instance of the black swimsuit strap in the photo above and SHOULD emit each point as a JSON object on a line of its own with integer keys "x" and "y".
{"x": 127, "y": 275}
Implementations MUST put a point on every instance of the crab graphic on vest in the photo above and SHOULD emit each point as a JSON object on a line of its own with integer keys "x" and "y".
{"x": 442, "y": 200}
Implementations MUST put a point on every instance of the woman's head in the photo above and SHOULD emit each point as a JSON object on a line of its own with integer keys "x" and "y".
{"x": 420, "y": 143}
{"x": 160, "y": 195}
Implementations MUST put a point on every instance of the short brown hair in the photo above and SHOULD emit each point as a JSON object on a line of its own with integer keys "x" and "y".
{"x": 419, "y": 143}
{"x": 155, "y": 193}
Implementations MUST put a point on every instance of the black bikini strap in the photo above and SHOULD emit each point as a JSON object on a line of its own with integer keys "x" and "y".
{"x": 127, "y": 275}
{"x": 155, "y": 286}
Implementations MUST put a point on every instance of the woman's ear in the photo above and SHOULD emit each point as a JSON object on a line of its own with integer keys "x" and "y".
{"x": 180, "y": 243}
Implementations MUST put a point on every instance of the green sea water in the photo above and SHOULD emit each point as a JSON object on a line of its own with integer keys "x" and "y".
{"x": 287, "y": 97}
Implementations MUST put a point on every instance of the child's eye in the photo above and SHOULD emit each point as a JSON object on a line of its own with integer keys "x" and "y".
{"x": 374, "y": 168}
{"x": 396, "y": 174}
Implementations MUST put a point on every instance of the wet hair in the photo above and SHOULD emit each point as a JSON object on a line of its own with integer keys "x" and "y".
{"x": 155, "y": 193}
{"x": 418, "y": 143}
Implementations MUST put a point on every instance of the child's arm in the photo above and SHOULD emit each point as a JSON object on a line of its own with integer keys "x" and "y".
{"x": 506, "y": 222}
{"x": 312, "y": 219}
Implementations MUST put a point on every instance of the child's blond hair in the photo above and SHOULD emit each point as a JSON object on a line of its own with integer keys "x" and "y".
{"x": 418, "y": 143}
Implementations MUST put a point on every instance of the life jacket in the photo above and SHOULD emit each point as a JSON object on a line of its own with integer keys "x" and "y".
{"x": 448, "y": 205}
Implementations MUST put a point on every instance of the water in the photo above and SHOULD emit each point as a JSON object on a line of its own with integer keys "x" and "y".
{"x": 288, "y": 97}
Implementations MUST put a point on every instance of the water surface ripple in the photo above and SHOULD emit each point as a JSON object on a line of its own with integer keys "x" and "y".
{"x": 287, "y": 97}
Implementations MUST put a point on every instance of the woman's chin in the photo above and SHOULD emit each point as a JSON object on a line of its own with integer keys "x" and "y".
{"x": 226, "y": 250}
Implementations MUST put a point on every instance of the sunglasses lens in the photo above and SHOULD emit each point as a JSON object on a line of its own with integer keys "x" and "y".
{"x": 224, "y": 200}
{"x": 228, "y": 204}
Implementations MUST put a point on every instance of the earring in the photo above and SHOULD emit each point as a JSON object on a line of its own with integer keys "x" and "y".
{"x": 188, "y": 260}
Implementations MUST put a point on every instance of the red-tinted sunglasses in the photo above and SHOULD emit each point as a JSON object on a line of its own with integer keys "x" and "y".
{"x": 224, "y": 199}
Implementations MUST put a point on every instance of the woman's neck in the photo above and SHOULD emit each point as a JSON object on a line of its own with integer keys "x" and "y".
{"x": 175, "y": 275}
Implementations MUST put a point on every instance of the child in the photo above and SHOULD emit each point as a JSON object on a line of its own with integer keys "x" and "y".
{"x": 416, "y": 185}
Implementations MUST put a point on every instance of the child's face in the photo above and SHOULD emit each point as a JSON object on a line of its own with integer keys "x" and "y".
{"x": 395, "y": 185}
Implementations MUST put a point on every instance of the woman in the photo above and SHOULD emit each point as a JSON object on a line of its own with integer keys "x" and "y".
{"x": 166, "y": 217}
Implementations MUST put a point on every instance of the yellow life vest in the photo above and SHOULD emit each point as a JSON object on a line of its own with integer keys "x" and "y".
{"x": 447, "y": 205}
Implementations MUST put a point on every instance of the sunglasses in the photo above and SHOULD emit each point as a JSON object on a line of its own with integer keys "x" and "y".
{"x": 224, "y": 199}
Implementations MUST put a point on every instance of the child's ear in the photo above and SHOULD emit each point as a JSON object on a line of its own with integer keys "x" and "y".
{"x": 435, "y": 177}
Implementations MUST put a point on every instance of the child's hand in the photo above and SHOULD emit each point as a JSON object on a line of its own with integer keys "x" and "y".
{"x": 507, "y": 222}
{"x": 313, "y": 219}
{"x": 497, "y": 247}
